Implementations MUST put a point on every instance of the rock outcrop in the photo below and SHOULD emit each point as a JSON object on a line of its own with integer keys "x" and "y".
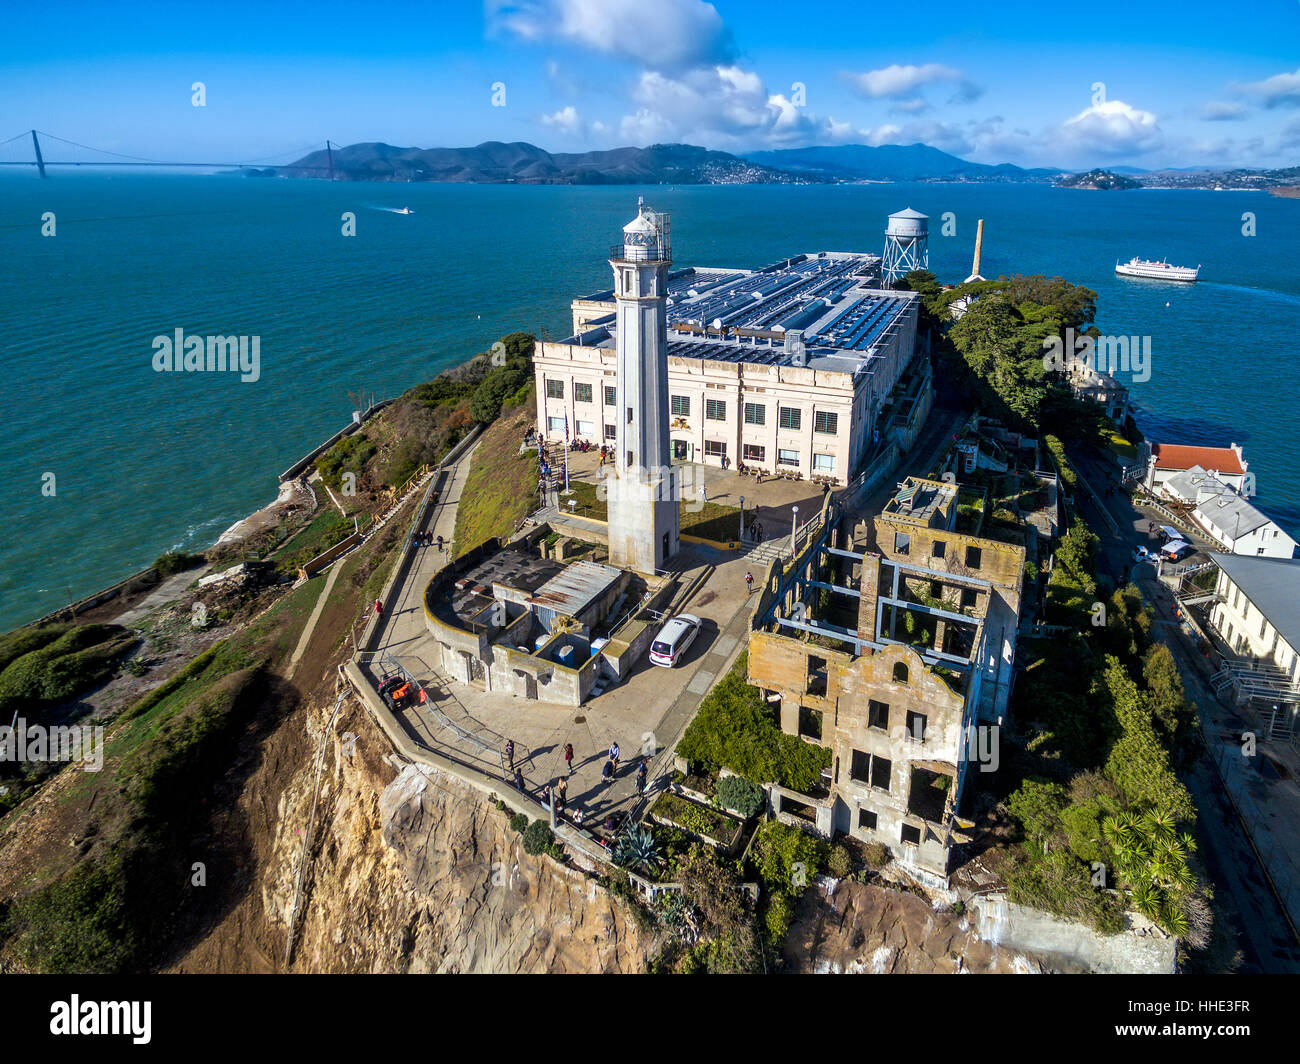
{"x": 416, "y": 871}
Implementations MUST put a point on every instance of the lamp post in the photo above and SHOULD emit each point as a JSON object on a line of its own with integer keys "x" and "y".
{"x": 742, "y": 518}
{"x": 794, "y": 531}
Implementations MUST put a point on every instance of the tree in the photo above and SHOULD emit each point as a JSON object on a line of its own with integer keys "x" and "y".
{"x": 1138, "y": 763}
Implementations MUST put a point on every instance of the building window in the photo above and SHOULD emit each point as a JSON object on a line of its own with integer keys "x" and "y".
{"x": 629, "y": 459}
{"x": 789, "y": 417}
{"x": 900, "y": 672}
{"x": 826, "y": 423}
{"x": 973, "y": 556}
{"x": 860, "y": 766}
{"x": 810, "y": 723}
{"x": 1263, "y": 624}
{"x": 968, "y": 597}
{"x": 611, "y": 432}
{"x": 784, "y": 457}
{"x": 911, "y": 835}
{"x": 755, "y": 414}
{"x": 611, "y": 396}
{"x": 681, "y": 405}
{"x": 715, "y": 410}
{"x": 881, "y": 769}
{"x": 586, "y": 428}
{"x": 937, "y": 548}
{"x": 754, "y": 453}
{"x": 715, "y": 449}
{"x": 823, "y": 463}
{"x": 916, "y": 726}
{"x": 581, "y": 392}
{"x": 554, "y": 389}
{"x": 902, "y": 543}
{"x": 877, "y": 714}
{"x": 555, "y": 424}
{"x": 629, "y": 415}
{"x": 866, "y": 820}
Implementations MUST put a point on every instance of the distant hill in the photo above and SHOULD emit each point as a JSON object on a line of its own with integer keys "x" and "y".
{"x": 891, "y": 162}
{"x": 1098, "y": 180}
{"x": 522, "y": 163}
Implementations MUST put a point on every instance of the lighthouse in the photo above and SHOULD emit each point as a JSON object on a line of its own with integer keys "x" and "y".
{"x": 643, "y": 515}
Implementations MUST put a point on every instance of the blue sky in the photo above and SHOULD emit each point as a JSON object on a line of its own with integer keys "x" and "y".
{"x": 1180, "y": 83}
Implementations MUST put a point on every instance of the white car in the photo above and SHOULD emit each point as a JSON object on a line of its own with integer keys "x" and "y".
{"x": 1142, "y": 554}
{"x": 673, "y": 639}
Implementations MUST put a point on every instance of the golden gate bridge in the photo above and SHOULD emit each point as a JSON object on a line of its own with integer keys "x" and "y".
{"x": 41, "y": 163}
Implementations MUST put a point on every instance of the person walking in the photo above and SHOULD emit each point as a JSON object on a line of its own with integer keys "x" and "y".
{"x": 749, "y": 582}
{"x": 607, "y": 773}
{"x": 614, "y": 754}
{"x": 519, "y": 781}
{"x": 562, "y": 787}
{"x": 641, "y": 774}
{"x": 510, "y": 753}
{"x": 379, "y": 608}
{"x": 568, "y": 758}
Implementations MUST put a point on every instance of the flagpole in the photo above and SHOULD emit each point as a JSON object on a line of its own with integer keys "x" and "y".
{"x": 566, "y": 454}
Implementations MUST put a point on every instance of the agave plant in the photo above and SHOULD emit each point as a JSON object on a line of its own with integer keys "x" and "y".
{"x": 636, "y": 849}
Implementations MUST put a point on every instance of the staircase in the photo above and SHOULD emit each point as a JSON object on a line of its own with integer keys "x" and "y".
{"x": 763, "y": 553}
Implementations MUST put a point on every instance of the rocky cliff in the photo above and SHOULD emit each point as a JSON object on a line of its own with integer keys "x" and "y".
{"x": 411, "y": 870}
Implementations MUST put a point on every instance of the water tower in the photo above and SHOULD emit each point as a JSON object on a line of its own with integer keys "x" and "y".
{"x": 907, "y": 244}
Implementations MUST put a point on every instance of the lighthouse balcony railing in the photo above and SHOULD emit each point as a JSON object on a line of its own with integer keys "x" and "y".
{"x": 655, "y": 253}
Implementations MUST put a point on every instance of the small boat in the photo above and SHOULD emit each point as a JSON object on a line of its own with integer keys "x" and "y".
{"x": 1158, "y": 271}
{"x": 403, "y": 210}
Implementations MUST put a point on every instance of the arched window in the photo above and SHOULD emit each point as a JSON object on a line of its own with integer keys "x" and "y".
{"x": 900, "y": 672}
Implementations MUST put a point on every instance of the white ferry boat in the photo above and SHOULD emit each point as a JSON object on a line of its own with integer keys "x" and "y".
{"x": 1159, "y": 271}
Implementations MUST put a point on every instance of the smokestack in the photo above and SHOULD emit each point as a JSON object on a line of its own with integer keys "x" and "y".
{"x": 979, "y": 247}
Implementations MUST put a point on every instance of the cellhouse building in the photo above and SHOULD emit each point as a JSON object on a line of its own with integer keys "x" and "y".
{"x": 783, "y": 369}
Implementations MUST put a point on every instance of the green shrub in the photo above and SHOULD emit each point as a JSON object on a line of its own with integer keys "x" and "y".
{"x": 735, "y": 727}
{"x": 537, "y": 837}
{"x": 177, "y": 562}
{"x": 20, "y": 641}
{"x": 518, "y": 822}
{"x": 349, "y": 454}
{"x": 741, "y": 795}
{"x": 778, "y": 918}
{"x": 838, "y": 862}
{"x": 876, "y": 855}
{"x": 77, "y": 660}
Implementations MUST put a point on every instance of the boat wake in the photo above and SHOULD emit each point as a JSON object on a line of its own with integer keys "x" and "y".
{"x": 1273, "y": 293}
{"x": 389, "y": 210}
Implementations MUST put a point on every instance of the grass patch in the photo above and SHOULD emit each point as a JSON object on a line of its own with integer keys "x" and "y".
{"x": 501, "y": 488}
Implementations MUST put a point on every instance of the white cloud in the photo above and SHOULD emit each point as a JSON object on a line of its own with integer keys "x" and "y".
{"x": 663, "y": 35}
{"x": 1219, "y": 111}
{"x": 899, "y": 81}
{"x": 566, "y": 120}
{"x": 1111, "y": 128}
{"x": 1281, "y": 90}
{"x": 723, "y": 106}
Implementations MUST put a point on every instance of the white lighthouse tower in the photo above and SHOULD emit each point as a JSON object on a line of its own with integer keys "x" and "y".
{"x": 643, "y": 518}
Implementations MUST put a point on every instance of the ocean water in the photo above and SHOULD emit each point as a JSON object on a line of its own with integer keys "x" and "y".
{"x": 145, "y": 462}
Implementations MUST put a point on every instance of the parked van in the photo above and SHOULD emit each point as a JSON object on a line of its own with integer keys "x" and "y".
{"x": 673, "y": 639}
{"x": 1176, "y": 550}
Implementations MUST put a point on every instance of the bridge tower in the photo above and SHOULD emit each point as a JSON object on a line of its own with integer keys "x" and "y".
{"x": 643, "y": 501}
{"x": 40, "y": 162}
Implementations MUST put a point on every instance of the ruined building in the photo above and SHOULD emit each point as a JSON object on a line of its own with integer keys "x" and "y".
{"x": 893, "y": 646}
